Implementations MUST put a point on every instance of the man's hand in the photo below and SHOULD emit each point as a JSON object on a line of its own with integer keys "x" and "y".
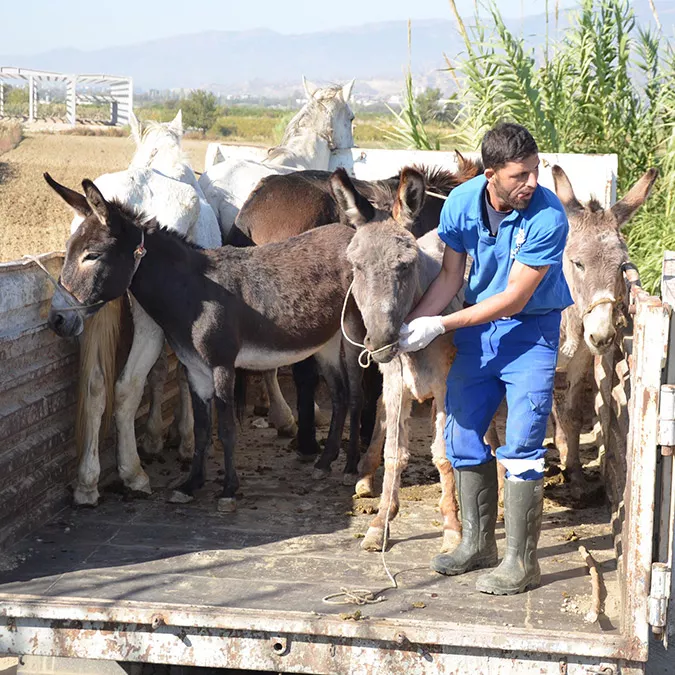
{"x": 420, "y": 332}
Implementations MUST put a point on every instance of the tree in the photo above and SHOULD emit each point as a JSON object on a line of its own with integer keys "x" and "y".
{"x": 428, "y": 106}
{"x": 200, "y": 110}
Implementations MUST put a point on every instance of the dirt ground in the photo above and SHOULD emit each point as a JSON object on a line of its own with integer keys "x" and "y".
{"x": 33, "y": 219}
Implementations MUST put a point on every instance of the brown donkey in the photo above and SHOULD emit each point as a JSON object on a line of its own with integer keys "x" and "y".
{"x": 220, "y": 309}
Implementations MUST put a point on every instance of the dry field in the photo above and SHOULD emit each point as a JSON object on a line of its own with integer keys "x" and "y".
{"x": 32, "y": 218}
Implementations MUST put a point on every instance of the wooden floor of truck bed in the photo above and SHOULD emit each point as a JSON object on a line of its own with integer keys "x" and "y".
{"x": 294, "y": 541}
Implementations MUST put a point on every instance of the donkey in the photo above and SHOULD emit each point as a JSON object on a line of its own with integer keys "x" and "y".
{"x": 285, "y": 205}
{"x": 322, "y": 125}
{"x": 593, "y": 263}
{"x": 255, "y": 308}
{"x": 160, "y": 183}
{"x": 391, "y": 272}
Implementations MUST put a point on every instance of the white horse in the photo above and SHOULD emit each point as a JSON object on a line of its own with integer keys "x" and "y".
{"x": 322, "y": 125}
{"x": 159, "y": 182}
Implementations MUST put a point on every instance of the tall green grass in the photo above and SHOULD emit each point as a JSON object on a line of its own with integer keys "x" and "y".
{"x": 607, "y": 86}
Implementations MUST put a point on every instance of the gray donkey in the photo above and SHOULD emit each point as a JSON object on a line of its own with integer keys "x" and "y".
{"x": 391, "y": 272}
{"x": 594, "y": 260}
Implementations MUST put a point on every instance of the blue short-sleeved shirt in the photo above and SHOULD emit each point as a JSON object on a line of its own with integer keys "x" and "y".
{"x": 534, "y": 236}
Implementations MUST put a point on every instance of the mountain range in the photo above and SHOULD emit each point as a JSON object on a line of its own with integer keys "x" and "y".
{"x": 264, "y": 62}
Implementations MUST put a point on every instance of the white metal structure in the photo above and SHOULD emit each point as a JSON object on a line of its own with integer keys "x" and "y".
{"x": 119, "y": 95}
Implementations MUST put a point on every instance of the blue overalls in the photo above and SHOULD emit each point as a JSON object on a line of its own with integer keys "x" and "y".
{"x": 515, "y": 356}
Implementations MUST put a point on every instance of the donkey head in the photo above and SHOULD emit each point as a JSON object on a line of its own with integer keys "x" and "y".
{"x": 100, "y": 258}
{"x": 594, "y": 255}
{"x": 385, "y": 258}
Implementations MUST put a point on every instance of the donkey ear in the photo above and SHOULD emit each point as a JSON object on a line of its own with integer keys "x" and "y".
{"x": 563, "y": 188}
{"x": 409, "y": 197}
{"x": 347, "y": 91}
{"x": 310, "y": 90}
{"x": 75, "y": 200}
{"x": 135, "y": 128}
{"x": 176, "y": 123}
{"x": 353, "y": 205}
{"x": 634, "y": 198}
{"x": 96, "y": 201}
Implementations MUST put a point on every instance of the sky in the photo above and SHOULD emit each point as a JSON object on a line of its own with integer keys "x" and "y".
{"x": 35, "y": 26}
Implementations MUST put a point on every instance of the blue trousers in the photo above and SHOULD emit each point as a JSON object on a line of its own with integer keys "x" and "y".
{"x": 516, "y": 358}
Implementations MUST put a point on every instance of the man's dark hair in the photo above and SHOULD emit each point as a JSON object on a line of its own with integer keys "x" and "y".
{"x": 507, "y": 142}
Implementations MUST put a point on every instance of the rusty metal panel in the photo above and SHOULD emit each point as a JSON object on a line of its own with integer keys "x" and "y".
{"x": 647, "y": 361}
{"x": 38, "y": 390}
{"x": 37, "y": 393}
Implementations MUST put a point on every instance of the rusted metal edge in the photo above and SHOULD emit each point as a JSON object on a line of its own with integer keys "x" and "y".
{"x": 142, "y": 616}
{"x": 14, "y": 265}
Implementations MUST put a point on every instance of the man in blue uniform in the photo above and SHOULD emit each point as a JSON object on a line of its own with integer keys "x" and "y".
{"x": 507, "y": 343}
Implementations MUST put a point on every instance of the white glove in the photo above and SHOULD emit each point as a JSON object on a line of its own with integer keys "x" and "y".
{"x": 419, "y": 333}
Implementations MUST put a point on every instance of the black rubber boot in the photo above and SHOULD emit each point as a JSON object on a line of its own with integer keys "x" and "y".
{"x": 477, "y": 489}
{"x": 519, "y": 571}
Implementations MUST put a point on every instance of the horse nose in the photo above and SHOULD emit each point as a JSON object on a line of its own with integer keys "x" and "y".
{"x": 368, "y": 342}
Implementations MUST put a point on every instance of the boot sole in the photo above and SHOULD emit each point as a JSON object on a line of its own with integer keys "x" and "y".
{"x": 476, "y": 565}
{"x": 514, "y": 590}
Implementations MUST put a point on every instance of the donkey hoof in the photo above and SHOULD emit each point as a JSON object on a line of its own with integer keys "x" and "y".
{"x": 350, "y": 479}
{"x": 178, "y": 497}
{"x": 138, "y": 483}
{"x": 364, "y": 487}
{"x": 305, "y": 459}
{"x": 85, "y": 497}
{"x": 227, "y": 505}
{"x": 374, "y": 539}
{"x": 288, "y": 431}
{"x": 320, "y": 474}
{"x": 451, "y": 540}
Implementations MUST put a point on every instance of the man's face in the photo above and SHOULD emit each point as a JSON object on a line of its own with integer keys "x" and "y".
{"x": 515, "y": 182}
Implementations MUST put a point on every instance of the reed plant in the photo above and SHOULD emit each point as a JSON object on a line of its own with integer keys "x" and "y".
{"x": 606, "y": 85}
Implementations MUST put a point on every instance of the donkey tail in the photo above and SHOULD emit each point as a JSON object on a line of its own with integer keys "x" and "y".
{"x": 99, "y": 348}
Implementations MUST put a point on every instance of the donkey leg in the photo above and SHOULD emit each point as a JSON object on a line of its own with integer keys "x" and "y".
{"x": 201, "y": 407}
{"x": 398, "y": 404}
{"x": 223, "y": 379}
{"x": 186, "y": 422}
{"x": 569, "y": 419}
{"x": 280, "y": 415}
{"x": 154, "y": 442}
{"x": 354, "y": 381}
{"x": 146, "y": 347}
{"x": 89, "y": 468}
{"x": 492, "y": 439}
{"x": 306, "y": 378}
{"x": 333, "y": 370}
{"x": 372, "y": 460}
{"x": 261, "y": 399}
{"x": 452, "y": 527}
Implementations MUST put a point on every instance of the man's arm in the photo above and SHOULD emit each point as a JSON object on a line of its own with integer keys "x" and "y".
{"x": 523, "y": 281}
{"x": 444, "y": 287}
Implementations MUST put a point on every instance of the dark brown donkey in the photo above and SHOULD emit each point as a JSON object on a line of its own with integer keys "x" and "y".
{"x": 257, "y": 308}
{"x": 282, "y": 206}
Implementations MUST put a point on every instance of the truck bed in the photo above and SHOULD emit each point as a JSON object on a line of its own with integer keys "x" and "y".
{"x": 294, "y": 541}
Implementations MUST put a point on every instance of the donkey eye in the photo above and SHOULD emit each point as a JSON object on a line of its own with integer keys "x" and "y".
{"x": 92, "y": 255}
{"x": 579, "y": 265}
